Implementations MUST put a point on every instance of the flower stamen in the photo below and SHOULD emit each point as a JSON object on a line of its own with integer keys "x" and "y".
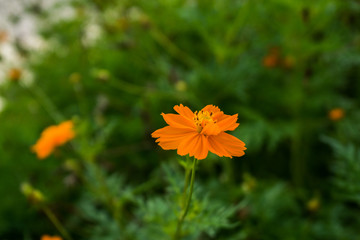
{"x": 202, "y": 118}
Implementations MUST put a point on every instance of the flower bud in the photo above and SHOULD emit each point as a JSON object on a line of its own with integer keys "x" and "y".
{"x": 33, "y": 195}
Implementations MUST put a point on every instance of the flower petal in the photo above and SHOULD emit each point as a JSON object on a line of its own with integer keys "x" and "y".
{"x": 228, "y": 123}
{"x": 188, "y": 144}
{"x": 211, "y": 129}
{"x": 211, "y": 108}
{"x": 170, "y": 131}
{"x": 64, "y": 133}
{"x": 178, "y": 121}
{"x": 202, "y": 148}
{"x": 170, "y": 137}
{"x": 170, "y": 145}
{"x": 43, "y": 148}
{"x": 184, "y": 111}
{"x": 216, "y": 147}
{"x": 231, "y": 144}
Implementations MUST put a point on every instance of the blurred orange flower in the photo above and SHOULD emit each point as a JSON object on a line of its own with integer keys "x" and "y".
{"x": 198, "y": 133}
{"x": 336, "y": 114}
{"x": 272, "y": 59}
{"x": 3, "y": 36}
{"x": 52, "y": 137}
{"x": 47, "y": 237}
{"x": 14, "y": 74}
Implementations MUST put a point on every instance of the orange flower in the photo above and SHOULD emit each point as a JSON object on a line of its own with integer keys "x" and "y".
{"x": 47, "y": 237}
{"x": 198, "y": 133}
{"x": 52, "y": 137}
{"x": 3, "y": 36}
{"x": 336, "y": 114}
{"x": 271, "y": 60}
{"x": 14, "y": 74}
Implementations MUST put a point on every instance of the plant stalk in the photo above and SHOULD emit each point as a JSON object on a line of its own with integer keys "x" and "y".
{"x": 186, "y": 183}
{"x": 56, "y": 223}
{"x": 188, "y": 200}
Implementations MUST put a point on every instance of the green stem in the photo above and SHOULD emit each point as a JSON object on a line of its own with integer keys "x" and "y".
{"x": 56, "y": 223}
{"x": 187, "y": 205}
{"x": 145, "y": 186}
{"x": 173, "y": 49}
{"x": 45, "y": 101}
{"x": 297, "y": 161}
{"x": 111, "y": 203}
{"x": 229, "y": 170}
{"x": 126, "y": 86}
{"x": 187, "y": 179}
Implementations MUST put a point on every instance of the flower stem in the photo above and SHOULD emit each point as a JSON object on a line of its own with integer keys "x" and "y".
{"x": 186, "y": 183}
{"x": 188, "y": 200}
{"x": 56, "y": 223}
{"x": 45, "y": 101}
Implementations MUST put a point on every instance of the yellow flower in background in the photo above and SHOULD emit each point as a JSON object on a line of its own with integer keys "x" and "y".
{"x": 313, "y": 204}
{"x": 180, "y": 86}
{"x": 53, "y": 137}
{"x": 75, "y": 77}
{"x": 47, "y": 237}
{"x": 197, "y": 133}
{"x": 336, "y": 114}
{"x": 288, "y": 62}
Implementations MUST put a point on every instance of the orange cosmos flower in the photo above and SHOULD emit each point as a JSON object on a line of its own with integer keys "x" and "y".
{"x": 336, "y": 114}
{"x": 52, "y": 137}
{"x": 47, "y": 237}
{"x": 198, "y": 133}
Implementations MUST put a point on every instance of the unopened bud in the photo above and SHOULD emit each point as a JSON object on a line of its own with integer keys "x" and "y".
{"x": 313, "y": 204}
{"x": 71, "y": 165}
{"x": 249, "y": 183}
{"x": 181, "y": 86}
{"x": 75, "y": 77}
{"x": 101, "y": 74}
{"x": 33, "y": 195}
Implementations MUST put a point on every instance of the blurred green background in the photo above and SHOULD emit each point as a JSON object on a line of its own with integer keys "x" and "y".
{"x": 290, "y": 69}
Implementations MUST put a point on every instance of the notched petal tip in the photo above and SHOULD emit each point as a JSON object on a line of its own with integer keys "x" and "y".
{"x": 184, "y": 111}
{"x": 178, "y": 121}
{"x": 228, "y": 122}
{"x": 211, "y": 108}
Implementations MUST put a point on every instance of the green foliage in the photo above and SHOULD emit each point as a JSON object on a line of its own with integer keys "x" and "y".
{"x": 207, "y": 213}
{"x": 346, "y": 170}
{"x": 113, "y": 66}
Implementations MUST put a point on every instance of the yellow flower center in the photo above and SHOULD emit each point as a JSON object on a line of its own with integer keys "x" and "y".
{"x": 202, "y": 118}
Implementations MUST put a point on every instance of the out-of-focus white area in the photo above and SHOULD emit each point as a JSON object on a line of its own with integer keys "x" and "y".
{"x": 91, "y": 34}
{"x": 17, "y": 24}
{"x": 19, "y": 27}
